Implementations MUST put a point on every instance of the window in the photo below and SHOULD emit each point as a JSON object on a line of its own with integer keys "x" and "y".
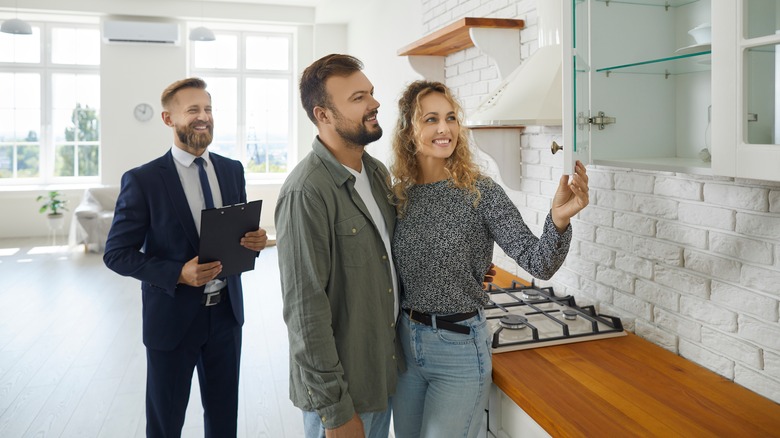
{"x": 250, "y": 77}
{"x": 50, "y": 104}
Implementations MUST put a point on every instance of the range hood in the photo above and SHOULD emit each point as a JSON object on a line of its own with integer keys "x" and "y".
{"x": 532, "y": 93}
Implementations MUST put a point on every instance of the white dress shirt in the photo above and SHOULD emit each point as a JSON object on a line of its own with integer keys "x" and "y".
{"x": 190, "y": 181}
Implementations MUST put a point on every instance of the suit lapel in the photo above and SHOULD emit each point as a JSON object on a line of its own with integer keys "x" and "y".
{"x": 180, "y": 205}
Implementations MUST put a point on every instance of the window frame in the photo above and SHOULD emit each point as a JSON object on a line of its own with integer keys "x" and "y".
{"x": 47, "y": 69}
{"x": 242, "y": 74}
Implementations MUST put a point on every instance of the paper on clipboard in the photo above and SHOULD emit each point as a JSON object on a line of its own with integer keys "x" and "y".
{"x": 221, "y": 230}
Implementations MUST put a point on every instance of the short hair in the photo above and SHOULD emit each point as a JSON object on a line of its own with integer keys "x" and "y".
{"x": 312, "y": 85}
{"x": 171, "y": 90}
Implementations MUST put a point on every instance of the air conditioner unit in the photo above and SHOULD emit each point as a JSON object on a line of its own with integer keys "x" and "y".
{"x": 140, "y": 32}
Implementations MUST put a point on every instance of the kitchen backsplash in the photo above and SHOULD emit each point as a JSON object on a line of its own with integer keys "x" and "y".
{"x": 690, "y": 263}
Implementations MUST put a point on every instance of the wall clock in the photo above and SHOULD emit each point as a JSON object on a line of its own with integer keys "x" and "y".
{"x": 143, "y": 112}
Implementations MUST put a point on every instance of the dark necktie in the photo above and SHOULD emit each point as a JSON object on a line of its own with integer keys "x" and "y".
{"x": 204, "y": 182}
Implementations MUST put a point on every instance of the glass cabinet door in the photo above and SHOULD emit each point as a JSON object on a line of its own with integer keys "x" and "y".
{"x": 746, "y": 126}
{"x": 576, "y": 86}
{"x": 761, "y": 67}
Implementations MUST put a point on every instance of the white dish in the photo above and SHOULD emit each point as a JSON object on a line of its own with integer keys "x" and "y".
{"x": 695, "y": 48}
{"x": 701, "y": 33}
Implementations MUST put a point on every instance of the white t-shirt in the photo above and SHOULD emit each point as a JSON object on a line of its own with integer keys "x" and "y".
{"x": 363, "y": 187}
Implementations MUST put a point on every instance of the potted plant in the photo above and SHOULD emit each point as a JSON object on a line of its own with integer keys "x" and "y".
{"x": 53, "y": 205}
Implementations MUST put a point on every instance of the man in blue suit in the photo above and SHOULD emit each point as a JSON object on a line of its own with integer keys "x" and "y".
{"x": 192, "y": 318}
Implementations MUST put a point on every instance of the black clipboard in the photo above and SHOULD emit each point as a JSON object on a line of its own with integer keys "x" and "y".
{"x": 221, "y": 230}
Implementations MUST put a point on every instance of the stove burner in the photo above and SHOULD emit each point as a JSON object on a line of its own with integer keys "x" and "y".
{"x": 523, "y": 317}
{"x": 530, "y": 294}
{"x": 513, "y": 322}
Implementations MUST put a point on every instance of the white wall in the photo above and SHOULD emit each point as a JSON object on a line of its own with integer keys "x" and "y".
{"x": 375, "y": 37}
{"x": 690, "y": 263}
{"x": 131, "y": 74}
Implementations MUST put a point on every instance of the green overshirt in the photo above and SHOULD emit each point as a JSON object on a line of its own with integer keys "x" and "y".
{"x": 337, "y": 289}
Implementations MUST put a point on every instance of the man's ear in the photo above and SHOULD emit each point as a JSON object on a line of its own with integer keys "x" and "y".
{"x": 166, "y": 118}
{"x": 321, "y": 115}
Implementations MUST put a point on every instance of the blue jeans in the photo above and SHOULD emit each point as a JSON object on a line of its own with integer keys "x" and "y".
{"x": 375, "y": 424}
{"x": 444, "y": 391}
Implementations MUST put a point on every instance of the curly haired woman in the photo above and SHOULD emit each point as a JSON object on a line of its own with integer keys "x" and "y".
{"x": 449, "y": 216}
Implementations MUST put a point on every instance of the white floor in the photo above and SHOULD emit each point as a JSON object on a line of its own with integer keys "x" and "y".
{"x": 72, "y": 363}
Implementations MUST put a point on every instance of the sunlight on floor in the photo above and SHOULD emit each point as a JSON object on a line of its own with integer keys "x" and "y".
{"x": 8, "y": 251}
{"x": 27, "y": 250}
{"x": 48, "y": 250}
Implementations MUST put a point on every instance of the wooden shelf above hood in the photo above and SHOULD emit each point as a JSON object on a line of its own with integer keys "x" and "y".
{"x": 455, "y": 37}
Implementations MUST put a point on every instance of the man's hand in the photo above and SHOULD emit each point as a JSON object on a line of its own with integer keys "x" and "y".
{"x": 194, "y": 274}
{"x": 351, "y": 429}
{"x": 570, "y": 197}
{"x": 255, "y": 240}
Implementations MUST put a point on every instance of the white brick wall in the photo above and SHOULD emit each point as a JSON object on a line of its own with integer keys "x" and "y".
{"x": 678, "y": 188}
{"x": 690, "y": 263}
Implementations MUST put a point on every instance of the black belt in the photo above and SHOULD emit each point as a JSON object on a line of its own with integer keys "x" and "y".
{"x": 445, "y": 322}
{"x": 213, "y": 298}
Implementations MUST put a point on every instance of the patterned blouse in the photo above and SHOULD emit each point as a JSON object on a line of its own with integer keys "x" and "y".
{"x": 443, "y": 245}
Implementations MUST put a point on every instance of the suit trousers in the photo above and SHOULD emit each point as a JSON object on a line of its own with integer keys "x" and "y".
{"x": 213, "y": 346}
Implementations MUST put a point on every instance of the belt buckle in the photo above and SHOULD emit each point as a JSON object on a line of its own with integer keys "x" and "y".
{"x": 411, "y": 317}
{"x": 213, "y": 298}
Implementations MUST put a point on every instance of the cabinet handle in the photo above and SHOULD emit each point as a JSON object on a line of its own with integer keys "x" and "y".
{"x": 555, "y": 147}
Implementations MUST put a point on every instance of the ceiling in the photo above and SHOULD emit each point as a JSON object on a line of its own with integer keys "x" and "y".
{"x": 309, "y": 3}
{"x": 327, "y": 11}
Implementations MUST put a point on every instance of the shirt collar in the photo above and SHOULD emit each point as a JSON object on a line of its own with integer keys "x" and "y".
{"x": 185, "y": 158}
{"x": 337, "y": 171}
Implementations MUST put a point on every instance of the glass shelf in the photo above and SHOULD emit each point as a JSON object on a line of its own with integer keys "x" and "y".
{"x": 673, "y": 65}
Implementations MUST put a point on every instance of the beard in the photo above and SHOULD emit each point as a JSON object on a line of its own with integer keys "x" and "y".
{"x": 357, "y": 133}
{"x": 198, "y": 140}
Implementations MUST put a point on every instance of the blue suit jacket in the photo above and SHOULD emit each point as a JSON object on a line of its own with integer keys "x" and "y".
{"x": 153, "y": 235}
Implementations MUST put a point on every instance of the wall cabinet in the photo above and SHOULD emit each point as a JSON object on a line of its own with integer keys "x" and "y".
{"x": 637, "y": 86}
{"x": 641, "y": 92}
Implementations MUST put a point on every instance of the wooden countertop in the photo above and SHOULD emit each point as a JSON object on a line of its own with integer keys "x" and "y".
{"x": 627, "y": 386}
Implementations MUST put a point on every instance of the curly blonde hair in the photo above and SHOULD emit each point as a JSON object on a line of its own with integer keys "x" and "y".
{"x": 460, "y": 167}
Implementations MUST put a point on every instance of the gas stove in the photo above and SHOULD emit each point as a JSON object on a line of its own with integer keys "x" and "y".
{"x": 523, "y": 317}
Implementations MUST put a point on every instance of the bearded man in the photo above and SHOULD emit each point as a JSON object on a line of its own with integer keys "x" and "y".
{"x": 192, "y": 317}
{"x": 334, "y": 224}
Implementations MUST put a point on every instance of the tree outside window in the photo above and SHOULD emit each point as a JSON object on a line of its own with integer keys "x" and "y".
{"x": 80, "y": 154}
